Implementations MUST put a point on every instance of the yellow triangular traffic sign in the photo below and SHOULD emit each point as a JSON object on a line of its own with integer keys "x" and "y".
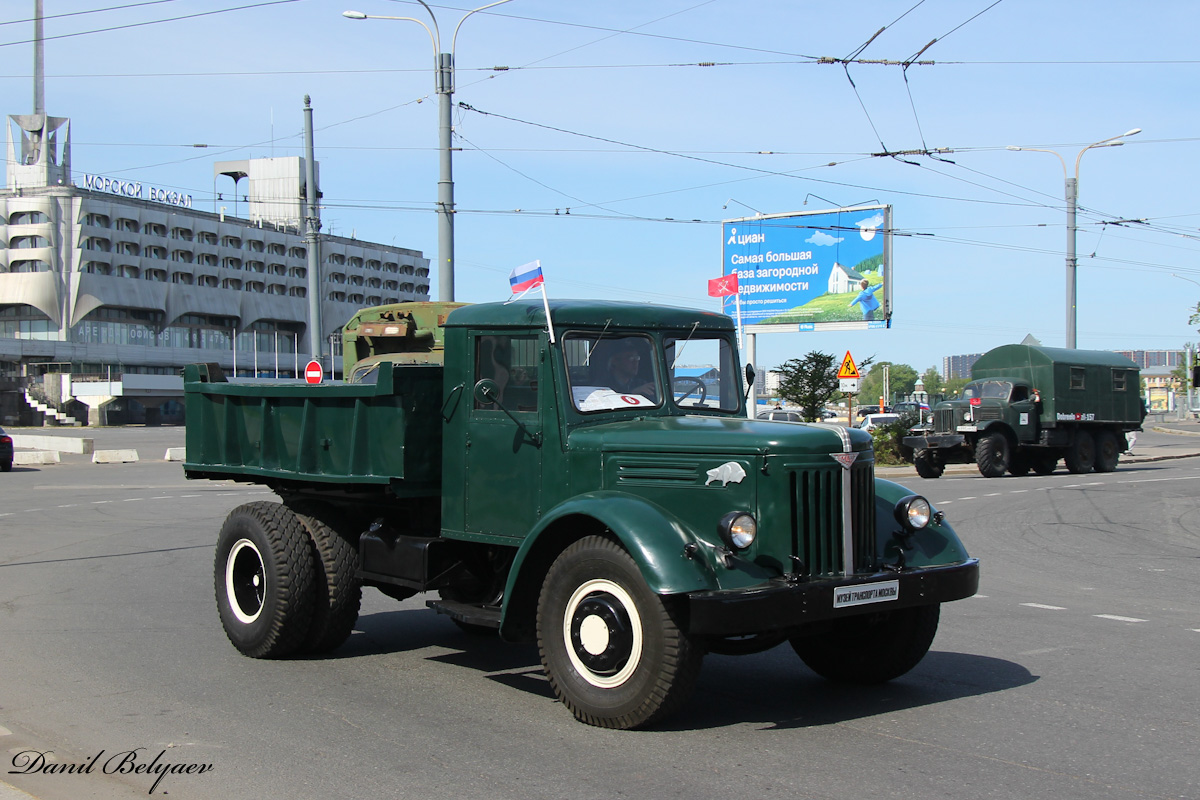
{"x": 848, "y": 369}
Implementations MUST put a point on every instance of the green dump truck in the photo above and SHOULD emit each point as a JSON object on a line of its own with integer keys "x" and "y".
{"x": 594, "y": 487}
{"x": 1026, "y": 407}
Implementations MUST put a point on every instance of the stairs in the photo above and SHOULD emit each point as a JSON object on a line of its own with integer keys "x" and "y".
{"x": 51, "y": 412}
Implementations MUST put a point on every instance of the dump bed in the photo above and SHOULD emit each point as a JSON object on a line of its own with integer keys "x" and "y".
{"x": 386, "y": 433}
{"x": 1074, "y": 385}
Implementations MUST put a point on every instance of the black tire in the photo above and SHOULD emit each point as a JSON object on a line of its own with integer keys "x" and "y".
{"x": 1019, "y": 464}
{"x": 264, "y": 575}
{"x": 872, "y": 648}
{"x": 612, "y": 649}
{"x": 338, "y": 593}
{"x": 6, "y": 466}
{"x": 1108, "y": 451}
{"x": 1081, "y": 454}
{"x": 1045, "y": 463}
{"x": 928, "y": 465}
{"x": 991, "y": 454}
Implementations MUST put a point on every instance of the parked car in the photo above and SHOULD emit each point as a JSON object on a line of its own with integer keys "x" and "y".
{"x": 6, "y": 452}
{"x": 872, "y": 409}
{"x": 781, "y": 415}
{"x": 910, "y": 406}
{"x": 873, "y": 421}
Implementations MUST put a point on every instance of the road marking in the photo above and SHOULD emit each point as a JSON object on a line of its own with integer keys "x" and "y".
{"x": 979, "y": 597}
{"x": 1018, "y": 491}
{"x": 966, "y": 498}
{"x": 1048, "y": 608}
{"x": 994, "y": 494}
{"x": 1118, "y": 619}
{"x": 1038, "y": 652}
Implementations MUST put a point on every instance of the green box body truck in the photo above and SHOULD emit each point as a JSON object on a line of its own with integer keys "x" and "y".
{"x": 594, "y": 487}
{"x": 1026, "y": 407}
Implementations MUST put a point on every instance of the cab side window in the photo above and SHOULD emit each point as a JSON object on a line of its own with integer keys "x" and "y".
{"x": 512, "y": 362}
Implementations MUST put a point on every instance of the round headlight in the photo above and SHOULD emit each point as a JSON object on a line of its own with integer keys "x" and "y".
{"x": 914, "y": 512}
{"x": 738, "y": 529}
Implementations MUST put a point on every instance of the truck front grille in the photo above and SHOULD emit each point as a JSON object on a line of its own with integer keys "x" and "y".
{"x": 944, "y": 420}
{"x": 817, "y": 539}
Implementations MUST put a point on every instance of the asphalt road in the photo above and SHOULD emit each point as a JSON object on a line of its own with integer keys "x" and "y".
{"x": 1073, "y": 674}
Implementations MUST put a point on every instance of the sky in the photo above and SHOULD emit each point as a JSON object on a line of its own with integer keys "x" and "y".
{"x": 610, "y": 139}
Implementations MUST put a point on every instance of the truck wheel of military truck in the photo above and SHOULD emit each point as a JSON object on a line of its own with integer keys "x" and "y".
{"x": 1045, "y": 463}
{"x": 264, "y": 573}
{"x": 872, "y": 648}
{"x": 1019, "y": 464}
{"x": 612, "y": 649}
{"x": 991, "y": 454}
{"x": 1107, "y": 451}
{"x": 338, "y": 592}
{"x": 1081, "y": 454}
{"x": 928, "y": 465}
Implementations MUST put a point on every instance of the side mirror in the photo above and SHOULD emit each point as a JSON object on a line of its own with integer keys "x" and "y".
{"x": 750, "y": 373}
{"x": 486, "y": 392}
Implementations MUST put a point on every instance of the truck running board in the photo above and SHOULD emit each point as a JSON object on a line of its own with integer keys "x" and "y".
{"x": 469, "y": 613}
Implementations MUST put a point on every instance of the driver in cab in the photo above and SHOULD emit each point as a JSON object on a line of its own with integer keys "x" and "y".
{"x": 624, "y": 366}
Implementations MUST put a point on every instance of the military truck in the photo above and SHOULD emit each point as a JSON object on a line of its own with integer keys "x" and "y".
{"x": 587, "y": 486}
{"x": 1026, "y": 407}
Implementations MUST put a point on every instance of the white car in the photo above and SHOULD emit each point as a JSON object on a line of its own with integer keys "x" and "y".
{"x": 872, "y": 421}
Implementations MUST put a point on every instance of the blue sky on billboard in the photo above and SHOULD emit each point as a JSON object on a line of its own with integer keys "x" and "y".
{"x": 612, "y": 140}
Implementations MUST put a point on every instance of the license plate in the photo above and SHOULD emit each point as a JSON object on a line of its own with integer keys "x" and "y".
{"x": 864, "y": 593}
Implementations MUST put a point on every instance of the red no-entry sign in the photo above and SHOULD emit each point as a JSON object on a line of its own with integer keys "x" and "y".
{"x": 313, "y": 372}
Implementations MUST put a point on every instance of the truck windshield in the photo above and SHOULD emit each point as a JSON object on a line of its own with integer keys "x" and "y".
{"x": 998, "y": 389}
{"x": 612, "y": 372}
{"x": 702, "y": 372}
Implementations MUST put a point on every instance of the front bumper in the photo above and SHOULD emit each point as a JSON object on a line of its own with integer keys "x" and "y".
{"x": 781, "y": 604}
{"x": 936, "y": 441}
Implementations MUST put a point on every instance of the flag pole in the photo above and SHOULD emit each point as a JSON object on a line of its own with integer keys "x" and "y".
{"x": 737, "y": 298}
{"x": 546, "y": 305}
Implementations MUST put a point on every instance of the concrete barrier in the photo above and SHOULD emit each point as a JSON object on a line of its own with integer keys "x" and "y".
{"x": 63, "y": 444}
{"x": 175, "y": 454}
{"x": 114, "y": 456}
{"x": 36, "y": 457}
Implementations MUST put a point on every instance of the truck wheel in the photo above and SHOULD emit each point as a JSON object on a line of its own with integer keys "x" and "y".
{"x": 6, "y": 466}
{"x": 338, "y": 593}
{"x": 1107, "y": 451}
{"x": 264, "y": 580}
{"x": 928, "y": 465}
{"x": 1045, "y": 464}
{"x": 611, "y": 648}
{"x": 991, "y": 454}
{"x": 1081, "y": 454}
{"x": 871, "y": 648}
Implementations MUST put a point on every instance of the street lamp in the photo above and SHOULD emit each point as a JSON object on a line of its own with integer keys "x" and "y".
{"x": 443, "y": 66}
{"x": 1072, "y": 192}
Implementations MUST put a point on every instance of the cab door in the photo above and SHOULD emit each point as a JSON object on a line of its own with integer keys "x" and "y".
{"x": 1025, "y": 413}
{"x": 502, "y": 487}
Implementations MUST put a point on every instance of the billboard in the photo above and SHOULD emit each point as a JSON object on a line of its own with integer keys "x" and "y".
{"x": 811, "y": 270}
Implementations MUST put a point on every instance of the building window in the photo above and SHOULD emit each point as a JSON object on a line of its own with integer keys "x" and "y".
{"x": 207, "y": 237}
{"x": 277, "y": 269}
{"x": 183, "y": 256}
{"x": 256, "y": 286}
{"x": 208, "y": 259}
{"x": 337, "y": 297}
{"x": 231, "y": 283}
{"x": 182, "y": 233}
{"x": 97, "y": 221}
{"x": 229, "y": 262}
{"x": 96, "y": 268}
{"x": 232, "y": 241}
{"x": 256, "y": 266}
{"x": 276, "y": 288}
{"x": 276, "y": 249}
{"x": 154, "y": 251}
{"x": 154, "y": 229}
{"x": 211, "y": 281}
{"x": 155, "y": 275}
{"x": 297, "y": 291}
{"x": 1077, "y": 375}
{"x": 96, "y": 243}
{"x": 298, "y": 252}
{"x": 186, "y": 278}
{"x": 130, "y": 225}
{"x": 297, "y": 272}
{"x": 128, "y": 271}
{"x": 28, "y": 242}
{"x": 129, "y": 249}
{"x": 392, "y": 267}
{"x": 28, "y": 218}
{"x": 255, "y": 246}
{"x": 374, "y": 264}
{"x": 28, "y": 265}
{"x": 336, "y": 277}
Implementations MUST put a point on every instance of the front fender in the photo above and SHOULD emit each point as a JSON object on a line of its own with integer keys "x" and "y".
{"x": 934, "y": 545}
{"x": 652, "y": 536}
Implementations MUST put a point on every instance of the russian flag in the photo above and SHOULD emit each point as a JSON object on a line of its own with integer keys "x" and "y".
{"x": 526, "y": 277}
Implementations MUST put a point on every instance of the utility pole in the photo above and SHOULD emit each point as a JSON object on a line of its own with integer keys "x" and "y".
{"x": 312, "y": 239}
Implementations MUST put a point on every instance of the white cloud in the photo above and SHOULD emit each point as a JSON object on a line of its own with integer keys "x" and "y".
{"x": 822, "y": 238}
{"x": 871, "y": 222}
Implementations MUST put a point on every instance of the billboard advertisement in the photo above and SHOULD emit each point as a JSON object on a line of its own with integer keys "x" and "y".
{"x": 812, "y": 270}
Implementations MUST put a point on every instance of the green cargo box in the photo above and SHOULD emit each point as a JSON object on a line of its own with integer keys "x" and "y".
{"x": 387, "y": 432}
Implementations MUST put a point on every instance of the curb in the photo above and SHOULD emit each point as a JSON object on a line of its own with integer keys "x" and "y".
{"x": 114, "y": 456}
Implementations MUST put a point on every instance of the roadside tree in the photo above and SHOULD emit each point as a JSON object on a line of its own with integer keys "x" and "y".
{"x": 809, "y": 382}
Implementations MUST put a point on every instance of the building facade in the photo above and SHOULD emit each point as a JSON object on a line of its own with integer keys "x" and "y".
{"x": 103, "y": 277}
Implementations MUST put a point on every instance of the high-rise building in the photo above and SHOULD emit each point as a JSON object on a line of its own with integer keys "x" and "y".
{"x": 117, "y": 284}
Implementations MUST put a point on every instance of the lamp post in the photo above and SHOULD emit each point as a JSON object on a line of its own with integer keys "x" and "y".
{"x": 1072, "y": 193}
{"x": 443, "y": 66}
